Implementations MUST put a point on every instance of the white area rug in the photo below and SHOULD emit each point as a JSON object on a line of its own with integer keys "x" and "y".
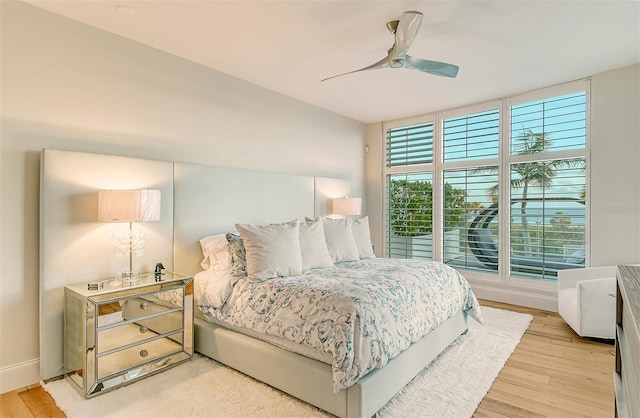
{"x": 452, "y": 386}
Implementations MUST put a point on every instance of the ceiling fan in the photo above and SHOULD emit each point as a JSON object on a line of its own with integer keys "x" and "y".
{"x": 405, "y": 31}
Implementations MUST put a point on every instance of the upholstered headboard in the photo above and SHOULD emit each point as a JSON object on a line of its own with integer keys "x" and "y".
{"x": 211, "y": 200}
{"x": 197, "y": 200}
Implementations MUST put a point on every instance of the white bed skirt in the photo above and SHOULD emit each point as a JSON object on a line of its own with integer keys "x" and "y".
{"x": 311, "y": 380}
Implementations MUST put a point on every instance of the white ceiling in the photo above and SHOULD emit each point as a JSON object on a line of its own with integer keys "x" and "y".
{"x": 502, "y": 47}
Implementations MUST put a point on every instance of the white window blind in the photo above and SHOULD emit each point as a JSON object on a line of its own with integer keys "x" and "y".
{"x": 470, "y": 208}
{"x": 548, "y": 217}
{"x": 548, "y": 211}
{"x": 471, "y": 137}
{"x": 561, "y": 120}
{"x": 410, "y": 215}
{"x": 410, "y": 145}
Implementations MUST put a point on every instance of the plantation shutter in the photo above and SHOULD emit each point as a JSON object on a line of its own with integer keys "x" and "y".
{"x": 471, "y": 137}
{"x": 470, "y": 212}
{"x": 410, "y": 145}
{"x": 562, "y": 119}
{"x": 548, "y": 225}
{"x": 410, "y": 216}
{"x": 470, "y": 193}
{"x": 548, "y": 211}
{"x": 409, "y": 195}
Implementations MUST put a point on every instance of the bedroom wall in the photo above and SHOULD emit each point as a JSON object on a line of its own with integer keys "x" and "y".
{"x": 615, "y": 180}
{"x": 615, "y": 171}
{"x": 68, "y": 86}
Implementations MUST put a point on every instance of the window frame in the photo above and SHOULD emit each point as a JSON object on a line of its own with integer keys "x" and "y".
{"x": 505, "y": 204}
{"x": 504, "y": 161}
{"x": 410, "y": 169}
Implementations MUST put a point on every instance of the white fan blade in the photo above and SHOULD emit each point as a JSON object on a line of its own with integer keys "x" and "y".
{"x": 406, "y": 32}
{"x": 431, "y": 67}
{"x": 383, "y": 63}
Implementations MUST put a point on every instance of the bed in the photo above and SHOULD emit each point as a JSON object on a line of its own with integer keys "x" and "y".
{"x": 200, "y": 201}
{"x": 210, "y": 201}
{"x": 335, "y": 327}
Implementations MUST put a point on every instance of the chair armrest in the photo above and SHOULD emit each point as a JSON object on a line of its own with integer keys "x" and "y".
{"x": 596, "y": 293}
{"x": 570, "y": 277}
{"x": 597, "y": 288}
{"x": 597, "y": 307}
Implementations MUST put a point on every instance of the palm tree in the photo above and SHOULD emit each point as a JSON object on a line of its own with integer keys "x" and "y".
{"x": 534, "y": 174}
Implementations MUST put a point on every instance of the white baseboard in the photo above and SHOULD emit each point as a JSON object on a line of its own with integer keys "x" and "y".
{"x": 19, "y": 375}
{"x": 547, "y": 302}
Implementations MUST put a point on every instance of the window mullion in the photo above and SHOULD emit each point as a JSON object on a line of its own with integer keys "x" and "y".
{"x": 470, "y": 164}
{"x": 504, "y": 187}
{"x": 437, "y": 190}
{"x": 409, "y": 169}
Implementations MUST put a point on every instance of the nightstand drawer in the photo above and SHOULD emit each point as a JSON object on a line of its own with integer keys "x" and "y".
{"x": 141, "y": 330}
{"x": 153, "y": 304}
{"x": 131, "y": 357}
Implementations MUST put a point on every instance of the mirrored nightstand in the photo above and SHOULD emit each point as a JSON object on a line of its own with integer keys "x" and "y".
{"x": 117, "y": 335}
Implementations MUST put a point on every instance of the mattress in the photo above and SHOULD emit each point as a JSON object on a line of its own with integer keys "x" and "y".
{"x": 355, "y": 316}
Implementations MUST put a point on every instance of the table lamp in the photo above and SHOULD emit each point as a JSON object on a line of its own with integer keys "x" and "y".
{"x": 346, "y": 206}
{"x": 129, "y": 206}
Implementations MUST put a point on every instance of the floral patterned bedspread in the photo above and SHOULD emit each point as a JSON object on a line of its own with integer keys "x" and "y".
{"x": 361, "y": 313}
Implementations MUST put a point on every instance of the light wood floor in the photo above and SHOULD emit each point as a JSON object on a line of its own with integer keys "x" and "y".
{"x": 552, "y": 373}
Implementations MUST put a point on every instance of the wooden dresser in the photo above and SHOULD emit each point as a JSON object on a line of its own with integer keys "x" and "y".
{"x": 627, "y": 375}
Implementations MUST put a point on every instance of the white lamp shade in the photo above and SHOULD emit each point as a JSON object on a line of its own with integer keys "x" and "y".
{"x": 347, "y": 206}
{"x": 128, "y": 205}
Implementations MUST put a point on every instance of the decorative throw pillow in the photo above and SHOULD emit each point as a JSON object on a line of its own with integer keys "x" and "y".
{"x": 362, "y": 236}
{"x": 216, "y": 253}
{"x": 340, "y": 241}
{"x": 213, "y": 287}
{"x": 238, "y": 255}
{"x": 272, "y": 250}
{"x": 313, "y": 245}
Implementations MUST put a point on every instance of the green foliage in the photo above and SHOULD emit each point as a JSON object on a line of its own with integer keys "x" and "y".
{"x": 454, "y": 206}
{"x": 411, "y": 207}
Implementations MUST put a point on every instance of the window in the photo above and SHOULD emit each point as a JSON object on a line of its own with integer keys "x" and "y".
{"x": 451, "y": 176}
{"x": 410, "y": 145}
{"x": 471, "y": 137}
{"x": 547, "y": 185}
{"x": 410, "y": 202}
{"x": 409, "y": 190}
{"x": 473, "y": 197}
{"x": 547, "y": 217}
{"x": 560, "y": 120}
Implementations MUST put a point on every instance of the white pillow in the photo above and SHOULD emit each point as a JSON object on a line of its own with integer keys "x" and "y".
{"x": 215, "y": 252}
{"x": 272, "y": 250}
{"x": 213, "y": 287}
{"x": 340, "y": 241}
{"x": 362, "y": 236}
{"x": 313, "y": 245}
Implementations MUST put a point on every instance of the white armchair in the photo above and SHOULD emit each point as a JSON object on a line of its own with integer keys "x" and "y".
{"x": 587, "y": 302}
